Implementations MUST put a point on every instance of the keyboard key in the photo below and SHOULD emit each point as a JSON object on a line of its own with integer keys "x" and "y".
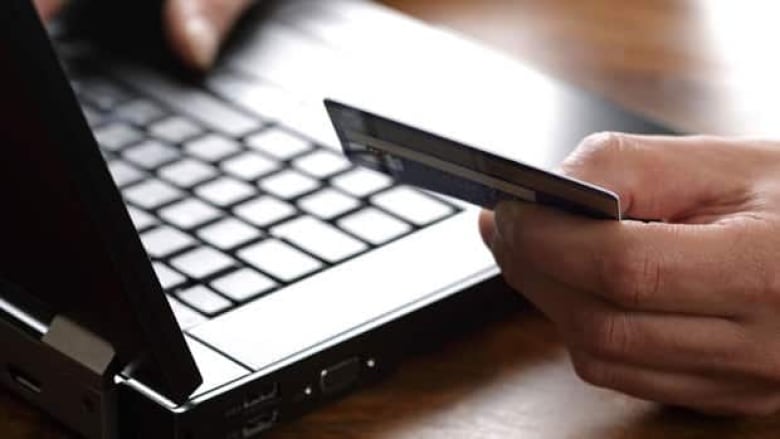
{"x": 212, "y": 147}
{"x": 202, "y": 262}
{"x": 279, "y": 260}
{"x": 117, "y": 135}
{"x": 265, "y": 211}
{"x": 101, "y": 93}
{"x": 225, "y": 191}
{"x": 319, "y": 238}
{"x": 279, "y": 144}
{"x": 151, "y": 194}
{"x": 175, "y": 129}
{"x": 94, "y": 117}
{"x": 190, "y": 101}
{"x": 374, "y": 226}
{"x": 189, "y": 213}
{"x": 164, "y": 241}
{"x": 139, "y": 112}
{"x": 249, "y": 166}
{"x": 167, "y": 277}
{"x": 412, "y": 205}
{"x": 188, "y": 173}
{"x": 151, "y": 154}
{"x": 322, "y": 164}
{"x": 243, "y": 285}
{"x": 328, "y": 203}
{"x": 289, "y": 184}
{"x": 141, "y": 220}
{"x": 204, "y": 300}
{"x": 228, "y": 233}
{"x": 124, "y": 174}
{"x": 362, "y": 182}
{"x": 185, "y": 317}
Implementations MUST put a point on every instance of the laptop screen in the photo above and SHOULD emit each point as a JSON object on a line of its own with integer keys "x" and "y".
{"x": 67, "y": 241}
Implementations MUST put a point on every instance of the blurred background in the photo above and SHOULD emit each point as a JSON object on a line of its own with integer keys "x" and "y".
{"x": 700, "y": 65}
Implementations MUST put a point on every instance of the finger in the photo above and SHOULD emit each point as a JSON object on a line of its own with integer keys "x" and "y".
{"x": 48, "y": 8}
{"x": 662, "y": 341}
{"x": 197, "y": 28}
{"x": 709, "y": 394}
{"x": 487, "y": 227}
{"x": 639, "y": 266}
{"x": 662, "y": 177}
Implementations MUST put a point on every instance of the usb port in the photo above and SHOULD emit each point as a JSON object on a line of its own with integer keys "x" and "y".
{"x": 261, "y": 395}
{"x": 260, "y": 423}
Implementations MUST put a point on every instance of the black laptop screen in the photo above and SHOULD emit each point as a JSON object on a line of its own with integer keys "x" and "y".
{"x": 65, "y": 237}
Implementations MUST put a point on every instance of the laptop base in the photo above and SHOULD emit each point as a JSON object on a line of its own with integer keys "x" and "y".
{"x": 255, "y": 406}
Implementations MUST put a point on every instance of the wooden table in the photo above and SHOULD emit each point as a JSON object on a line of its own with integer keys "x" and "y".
{"x": 701, "y": 66}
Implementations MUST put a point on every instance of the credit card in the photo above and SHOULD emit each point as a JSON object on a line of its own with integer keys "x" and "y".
{"x": 428, "y": 161}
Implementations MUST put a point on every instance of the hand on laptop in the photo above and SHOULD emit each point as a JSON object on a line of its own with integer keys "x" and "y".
{"x": 196, "y": 28}
{"x": 685, "y": 311}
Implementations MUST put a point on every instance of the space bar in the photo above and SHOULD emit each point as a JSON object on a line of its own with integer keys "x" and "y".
{"x": 189, "y": 101}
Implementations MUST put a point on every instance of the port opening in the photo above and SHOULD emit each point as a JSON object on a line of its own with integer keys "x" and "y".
{"x": 259, "y": 423}
{"x": 266, "y": 393}
{"x": 25, "y": 381}
{"x": 340, "y": 377}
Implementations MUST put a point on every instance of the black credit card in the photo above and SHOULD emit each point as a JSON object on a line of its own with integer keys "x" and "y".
{"x": 418, "y": 158}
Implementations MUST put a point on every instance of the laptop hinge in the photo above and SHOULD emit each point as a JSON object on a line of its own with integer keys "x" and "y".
{"x": 68, "y": 373}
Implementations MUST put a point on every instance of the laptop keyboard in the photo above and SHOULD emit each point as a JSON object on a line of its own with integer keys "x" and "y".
{"x": 231, "y": 207}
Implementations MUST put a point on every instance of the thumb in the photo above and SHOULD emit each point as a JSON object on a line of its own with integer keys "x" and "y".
{"x": 197, "y": 28}
{"x": 660, "y": 177}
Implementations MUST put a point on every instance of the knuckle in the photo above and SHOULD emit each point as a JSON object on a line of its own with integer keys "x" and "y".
{"x": 604, "y": 334}
{"x": 630, "y": 276}
{"x": 593, "y": 152}
{"x": 603, "y": 144}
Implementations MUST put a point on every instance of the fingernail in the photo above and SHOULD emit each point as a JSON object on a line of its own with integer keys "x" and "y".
{"x": 203, "y": 41}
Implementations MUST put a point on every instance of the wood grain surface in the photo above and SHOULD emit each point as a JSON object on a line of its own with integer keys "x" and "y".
{"x": 702, "y": 66}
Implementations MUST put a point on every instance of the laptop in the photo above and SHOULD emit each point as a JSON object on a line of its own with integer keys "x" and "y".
{"x": 192, "y": 257}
